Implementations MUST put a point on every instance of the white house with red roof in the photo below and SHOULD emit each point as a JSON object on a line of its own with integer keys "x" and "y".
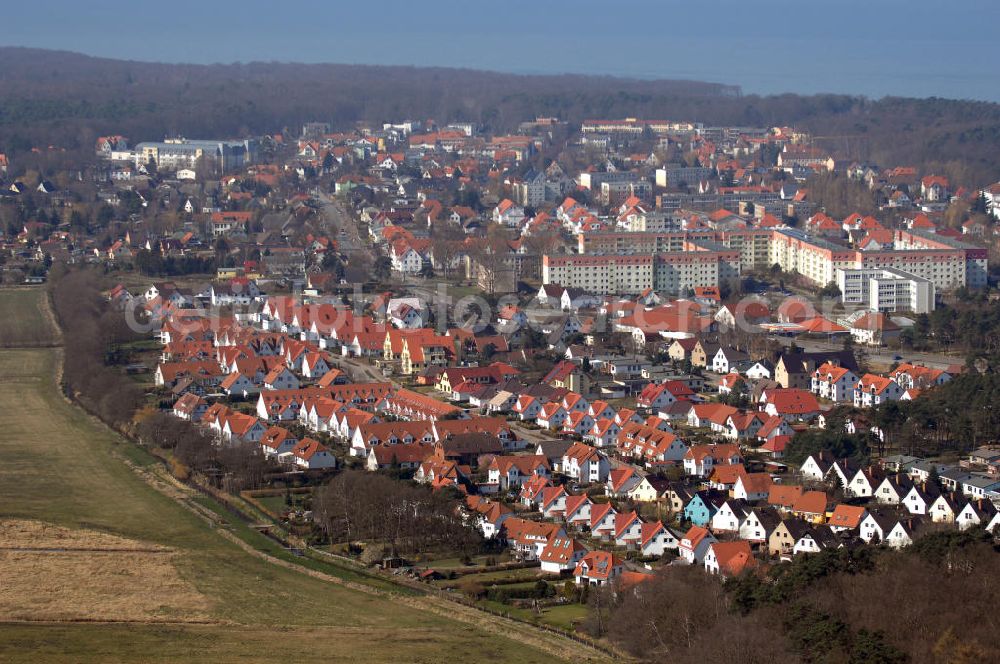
{"x": 276, "y": 441}
{"x": 917, "y": 376}
{"x": 602, "y": 519}
{"x": 314, "y": 365}
{"x": 934, "y": 188}
{"x": 601, "y": 409}
{"x": 508, "y": 213}
{"x": 658, "y": 396}
{"x": 577, "y": 512}
{"x": 561, "y": 554}
{"x": 598, "y": 568}
{"x": 790, "y": 403}
{"x": 531, "y": 489}
{"x": 238, "y": 385}
{"x": 655, "y": 539}
{"x": 310, "y": 454}
{"x": 872, "y": 390}
{"x": 729, "y": 558}
{"x": 508, "y": 472}
{"x": 621, "y": 481}
{"x": 699, "y": 460}
{"x": 603, "y": 433}
{"x": 579, "y": 423}
{"x": 281, "y": 378}
{"x": 552, "y": 502}
{"x": 874, "y": 329}
{"x": 239, "y": 426}
{"x": 694, "y": 544}
{"x": 190, "y": 407}
{"x": 833, "y": 382}
{"x": 527, "y": 407}
{"x": 752, "y": 487}
{"x": 744, "y": 425}
{"x": 585, "y": 464}
{"x": 551, "y": 416}
{"x": 628, "y": 529}
{"x": 574, "y": 402}
{"x": 729, "y": 382}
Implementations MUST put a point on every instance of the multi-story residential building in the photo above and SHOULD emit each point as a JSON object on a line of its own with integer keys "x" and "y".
{"x": 886, "y": 289}
{"x": 678, "y": 175}
{"x": 815, "y": 258}
{"x": 635, "y": 127}
{"x": 178, "y": 153}
{"x": 947, "y": 262}
{"x": 833, "y": 382}
{"x": 614, "y": 193}
{"x": 531, "y": 190}
{"x": 600, "y": 273}
{"x": 942, "y": 262}
{"x": 873, "y": 390}
{"x": 689, "y": 266}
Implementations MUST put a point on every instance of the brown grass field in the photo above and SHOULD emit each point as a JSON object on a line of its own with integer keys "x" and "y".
{"x": 54, "y": 573}
{"x": 67, "y": 483}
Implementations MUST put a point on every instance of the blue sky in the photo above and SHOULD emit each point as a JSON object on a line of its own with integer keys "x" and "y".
{"x": 915, "y": 48}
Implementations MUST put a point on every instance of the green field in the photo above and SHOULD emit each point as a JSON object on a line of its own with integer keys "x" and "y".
{"x": 60, "y": 467}
{"x": 23, "y": 320}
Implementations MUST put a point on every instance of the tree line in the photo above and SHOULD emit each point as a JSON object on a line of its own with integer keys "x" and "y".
{"x": 93, "y": 338}
{"x": 146, "y": 101}
{"x": 93, "y": 374}
{"x": 928, "y": 604}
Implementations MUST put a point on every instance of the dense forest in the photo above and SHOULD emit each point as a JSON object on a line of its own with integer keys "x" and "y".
{"x": 67, "y": 99}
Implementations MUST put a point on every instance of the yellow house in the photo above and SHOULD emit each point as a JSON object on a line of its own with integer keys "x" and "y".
{"x": 444, "y": 384}
{"x": 703, "y": 353}
{"x": 643, "y": 492}
{"x": 811, "y": 506}
{"x": 681, "y": 349}
{"x": 421, "y": 352}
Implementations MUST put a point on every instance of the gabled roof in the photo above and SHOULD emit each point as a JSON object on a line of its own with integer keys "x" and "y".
{"x": 618, "y": 477}
{"x": 873, "y": 382}
{"x": 597, "y": 565}
{"x": 811, "y": 502}
{"x": 624, "y": 521}
{"x": 733, "y": 557}
{"x": 600, "y": 511}
{"x": 561, "y": 550}
{"x": 695, "y": 535}
{"x": 875, "y": 321}
{"x": 847, "y": 516}
{"x": 784, "y": 495}
{"x": 574, "y": 503}
{"x": 727, "y": 474}
{"x": 793, "y": 401}
{"x": 649, "y": 531}
{"x": 755, "y": 482}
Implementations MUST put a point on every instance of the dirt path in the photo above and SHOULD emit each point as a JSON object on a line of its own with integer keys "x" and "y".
{"x": 553, "y": 644}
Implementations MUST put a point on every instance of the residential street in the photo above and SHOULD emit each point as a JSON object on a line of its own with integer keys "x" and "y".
{"x": 341, "y": 226}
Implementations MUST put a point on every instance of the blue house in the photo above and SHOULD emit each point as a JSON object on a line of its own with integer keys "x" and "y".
{"x": 703, "y": 506}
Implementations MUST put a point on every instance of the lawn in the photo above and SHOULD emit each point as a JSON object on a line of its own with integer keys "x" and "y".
{"x": 277, "y": 503}
{"x": 60, "y": 467}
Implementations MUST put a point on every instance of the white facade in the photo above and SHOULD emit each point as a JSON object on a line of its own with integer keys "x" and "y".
{"x": 886, "y": 290}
